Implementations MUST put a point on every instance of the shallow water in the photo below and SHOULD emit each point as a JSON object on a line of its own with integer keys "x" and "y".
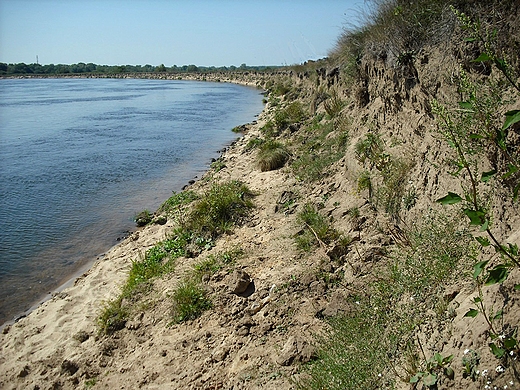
{"x": 79, "y": 158}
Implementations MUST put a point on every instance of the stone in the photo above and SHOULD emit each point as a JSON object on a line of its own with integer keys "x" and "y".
{"x": 295, "y": 350}
{"x": 240, "y": 281}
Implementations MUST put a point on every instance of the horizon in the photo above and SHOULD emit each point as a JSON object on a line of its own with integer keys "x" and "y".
{"x": 202, "y": 33}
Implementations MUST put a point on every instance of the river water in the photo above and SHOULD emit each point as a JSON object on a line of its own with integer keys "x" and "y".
{"x": 79, "y": 158}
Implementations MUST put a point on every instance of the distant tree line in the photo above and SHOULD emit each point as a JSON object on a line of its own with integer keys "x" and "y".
{"x": 79, "y": 68}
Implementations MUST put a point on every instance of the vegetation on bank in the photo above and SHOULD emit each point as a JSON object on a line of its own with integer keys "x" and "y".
{"x": 200, "y": 219}
{"x": 81, "y": 68}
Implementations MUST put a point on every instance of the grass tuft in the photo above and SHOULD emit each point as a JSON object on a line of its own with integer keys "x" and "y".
{"x": 272, "y": 155}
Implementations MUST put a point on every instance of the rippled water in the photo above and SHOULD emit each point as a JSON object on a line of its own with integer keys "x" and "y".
{"x": 80, "y": 157}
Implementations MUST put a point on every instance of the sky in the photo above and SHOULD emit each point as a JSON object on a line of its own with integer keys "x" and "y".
{"x": 172, "y": 32}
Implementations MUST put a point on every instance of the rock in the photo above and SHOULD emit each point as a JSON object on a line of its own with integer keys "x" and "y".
{"x": 240, "y": 281}
{"x": 295, "y": 350}
{"x": 220, "y": 354}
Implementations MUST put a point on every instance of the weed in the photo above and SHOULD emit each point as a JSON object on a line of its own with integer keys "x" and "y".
{"x": 272, "y": 155}
{"x": 219, "y": 209}
{"x": 113, "y": 317}
{"x": 254, "y": 143}
{"x": 364, "y": 182}
{"x": 214, "y": 263}
{"x": 190, "y": 300}
{"x": 433, "y": 368}
{"x": 177, "y": 200}
{"x": 321, "y": 146}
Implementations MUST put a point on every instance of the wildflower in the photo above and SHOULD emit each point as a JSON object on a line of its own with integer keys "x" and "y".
{"x": 487, "y": 387}
{"x": 511, "y": 383}
{"x": 466, "y": 351}
{"x": 499, "y": 369}
{"x": 484, "y": 372}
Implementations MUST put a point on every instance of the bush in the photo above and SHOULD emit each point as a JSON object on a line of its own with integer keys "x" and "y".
{"x": 190, "y": 300}
{"x": 272, "y": 155}
{"x": 219, "y": 209}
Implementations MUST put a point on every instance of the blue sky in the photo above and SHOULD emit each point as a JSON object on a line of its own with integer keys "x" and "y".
{"x": 200, "y": 32}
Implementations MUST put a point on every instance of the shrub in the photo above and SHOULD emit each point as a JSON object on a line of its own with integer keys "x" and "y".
{"x": 219, "y": 209}
{"x": 143, "y": 218}
{"x": 190, "y": 300}
{"x": 177, "y": 200}
{"x": 113, "y": 317}
{"x": 272, "y": 155}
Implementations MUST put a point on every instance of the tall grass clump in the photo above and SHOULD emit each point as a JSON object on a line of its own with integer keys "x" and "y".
{"x": 190, "y": 300}
{"x": 271, "y": 155}
{"x": 219, "y": 209}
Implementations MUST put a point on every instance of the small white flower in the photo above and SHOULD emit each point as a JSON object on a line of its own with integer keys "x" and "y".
{"x": 499, "y": 369}
{"x": 512, "y": 353}
{"x": 484, "y": 372}
{"x": 466, "y": 351}
{"x": 357, "y": 302}
{"x": 487, "y": 387}
{"x": 511, "y": 383}
{"x": 501, "y": 337}
{"x": 505, "y": 386}
{"x": 379, "y": 375}
{"x": 477, "y": 372}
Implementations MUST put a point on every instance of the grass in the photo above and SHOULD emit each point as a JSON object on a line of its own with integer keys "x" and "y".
{"x": 177, "y": 200}
{"x": 318, "y": 230}
{"x": 190, "y": 300}
{"x": 320, "y": 146}
{"x": 219, "y": 209}
{"x": 271, "y": 155}
{"x": 362, "y": 349}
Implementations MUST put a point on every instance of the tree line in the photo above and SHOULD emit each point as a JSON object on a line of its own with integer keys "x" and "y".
{"x": 90, "y": 68}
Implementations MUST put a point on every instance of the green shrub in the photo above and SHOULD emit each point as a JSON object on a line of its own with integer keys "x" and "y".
{"x": 214, "y": 263}
{"x": 190, "y": 300}
{"x": 177, "y": 200}
{"x": 219, "y": 209}
{"x": 143, "y": 218}
{"x": 271, "y": 155}
{"x": 113, "y": 317}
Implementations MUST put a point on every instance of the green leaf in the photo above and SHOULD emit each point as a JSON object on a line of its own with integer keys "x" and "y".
{"x": 477, "y": 300}
{"x": 511, "y": 118}
{"x": 485, "y": 226}
{"x": 517, "y": 287}
{"x": 483, "y": 57}
{"x": 484, "y": 241}
{"x": 498, "y": 352}
{"x": 449, "y": 373}
{"x": 513, "y": 249}
{"x": 497, "y": 274}
{"x": 430, "y": 379}
{"x": 451, "y": 198}
{"x": 472, "y": 313}
{"x": 466, "y": 105}
{"x": 478, "y": 268}
{"x": 487, "y": 175}
{"x": 477, "y": 217}
{"x": 510, "y": 343}
{"x": 498, "y": 315}
{"x": 512, "y": 170}
{"x": 416, "y": 378}
{"x": 470, "y": 39}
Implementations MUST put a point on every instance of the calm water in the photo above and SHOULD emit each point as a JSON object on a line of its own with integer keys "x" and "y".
{"x": 79, "y": 158}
